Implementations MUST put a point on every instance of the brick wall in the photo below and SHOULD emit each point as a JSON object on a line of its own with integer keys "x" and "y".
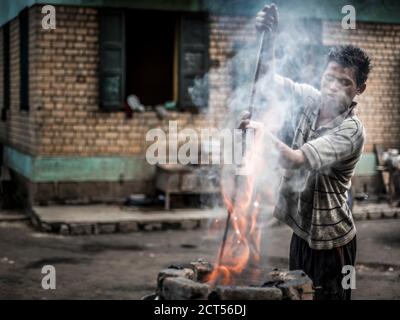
{"x": 65, "y": 118}
{"x": 69, "y": 118}
{"x": 379, "y": 106}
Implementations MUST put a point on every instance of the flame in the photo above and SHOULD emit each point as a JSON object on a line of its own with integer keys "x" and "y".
{"x": 242, "y": 245}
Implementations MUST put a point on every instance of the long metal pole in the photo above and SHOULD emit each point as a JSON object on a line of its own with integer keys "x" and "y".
{"x": 251, "y": 109}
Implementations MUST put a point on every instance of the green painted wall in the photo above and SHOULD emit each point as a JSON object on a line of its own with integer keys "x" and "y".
{"x": 367, "y": 165}
{"x": 386, "y": 11}
{"x": 50, "y": 169}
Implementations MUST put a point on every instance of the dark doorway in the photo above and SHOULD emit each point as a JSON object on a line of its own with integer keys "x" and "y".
{"x": 150, "y": 43}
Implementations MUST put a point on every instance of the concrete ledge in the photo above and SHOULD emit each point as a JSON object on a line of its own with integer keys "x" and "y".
{"x": 374, "y": 211}
{"x": 106, "y": 219}
{"x": 11, "y": 216}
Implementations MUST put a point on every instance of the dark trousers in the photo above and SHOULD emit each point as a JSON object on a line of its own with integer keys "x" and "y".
{"x": 324, "y": 267}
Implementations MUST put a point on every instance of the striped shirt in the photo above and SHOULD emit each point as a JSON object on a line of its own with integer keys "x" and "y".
{"x": 313, "y": 199}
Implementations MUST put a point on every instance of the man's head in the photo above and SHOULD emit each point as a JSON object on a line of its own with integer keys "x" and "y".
{"x": 344, "y": 77}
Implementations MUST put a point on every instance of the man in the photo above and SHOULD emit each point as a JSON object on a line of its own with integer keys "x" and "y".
{"x": 326, "y": 144}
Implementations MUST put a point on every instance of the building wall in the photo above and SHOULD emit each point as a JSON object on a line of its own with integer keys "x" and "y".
{"x": 65, "y": 146}
{"x": 71, "y": 120}
{"x": 65, "y": 139}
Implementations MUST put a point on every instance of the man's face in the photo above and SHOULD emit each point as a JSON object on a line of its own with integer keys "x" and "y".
{"x": 338, "y": 87}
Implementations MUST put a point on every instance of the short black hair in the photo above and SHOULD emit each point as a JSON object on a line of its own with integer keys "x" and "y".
{"x": 350, "y": 56}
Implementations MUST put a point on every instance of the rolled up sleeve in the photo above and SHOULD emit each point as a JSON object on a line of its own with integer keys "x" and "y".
{"x": 338, "y": 144}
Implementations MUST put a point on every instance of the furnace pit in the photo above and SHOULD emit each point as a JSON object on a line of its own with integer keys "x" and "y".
{"x": 188, "y": 282}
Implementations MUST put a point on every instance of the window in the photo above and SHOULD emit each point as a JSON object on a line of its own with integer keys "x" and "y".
{"x": 150, "y": 55}
{"x": 24, "y": 59}
{"x": 157, "y": 62}
{"x": 6, "y": 71}
{"x": 194, "y": 40}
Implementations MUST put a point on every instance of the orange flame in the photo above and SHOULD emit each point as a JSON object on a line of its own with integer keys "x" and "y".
{"x": 242, "y": 246}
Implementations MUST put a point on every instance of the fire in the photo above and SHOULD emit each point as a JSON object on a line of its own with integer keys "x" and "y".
{"x": 243, "y": 242}
{"x": 242, "y": 245}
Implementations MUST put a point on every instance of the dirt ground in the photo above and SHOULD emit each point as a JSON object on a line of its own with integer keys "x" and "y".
{"x": 125, "y": 266}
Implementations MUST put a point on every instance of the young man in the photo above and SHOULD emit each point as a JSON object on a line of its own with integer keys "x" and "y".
{"x": 326, "y": 144}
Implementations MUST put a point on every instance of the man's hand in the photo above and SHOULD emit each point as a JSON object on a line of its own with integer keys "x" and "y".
{"x": 267, "y": 19}
{"x": 246, "y": 123}
{"x": 289, "y": 158}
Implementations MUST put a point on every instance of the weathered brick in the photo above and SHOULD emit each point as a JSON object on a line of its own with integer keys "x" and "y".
{"x": 246, "y": 293}
{"x": 81, "y": 229}
{"x": 128, "y": 226}
{"x": 178, "y": 288}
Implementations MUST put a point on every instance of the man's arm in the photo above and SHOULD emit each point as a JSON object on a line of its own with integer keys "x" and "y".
{"x": 345, "y": 141}
{"x": 289, "y": 158}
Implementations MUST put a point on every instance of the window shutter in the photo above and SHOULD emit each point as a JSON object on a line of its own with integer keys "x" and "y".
{"x": 194, "y": 41}
{"x": 6, "y": 71}
{"x": 112, "y": 60}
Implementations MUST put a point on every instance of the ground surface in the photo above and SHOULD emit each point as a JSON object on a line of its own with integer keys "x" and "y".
{"x": 125, "y": 266}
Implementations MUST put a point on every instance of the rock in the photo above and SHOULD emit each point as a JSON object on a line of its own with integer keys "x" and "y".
{"x": 171, "y": 225}
{"x": 45, "y": 227}
{"x": 107, "y": 228}
{"x": 80, "y": 229}
{"x": 179, "y": 288}
{"x": 246, "y": 293}
{"x": 128, "y": 226}
{"x": 173, "y": 272}
{"x": 189, "y": 224}
{"x": 201, "y": 269}
{"x": 152, "y": 226}
{"x": 374, "y": 214}
{"x": 391, "y": 212}
{"x": 64, "y": 230}
{"x": 360, "y": 215}
{"x": 295, "y": 284}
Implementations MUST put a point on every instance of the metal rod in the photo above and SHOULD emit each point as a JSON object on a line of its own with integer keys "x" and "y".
{"x": 256, "y": 74}
{"x": 251, "y": 109}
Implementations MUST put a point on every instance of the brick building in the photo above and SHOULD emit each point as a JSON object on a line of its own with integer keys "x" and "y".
{"x": 65, "y": 129}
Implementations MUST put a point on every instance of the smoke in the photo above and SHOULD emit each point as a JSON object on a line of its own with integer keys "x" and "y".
{"x": 300, "y": 56}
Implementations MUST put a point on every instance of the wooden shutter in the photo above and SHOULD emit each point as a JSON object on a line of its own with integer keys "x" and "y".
{"x": 194, "y": 41}
{"x": 112, "y": 60}
{"x": 6, "y": 71}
